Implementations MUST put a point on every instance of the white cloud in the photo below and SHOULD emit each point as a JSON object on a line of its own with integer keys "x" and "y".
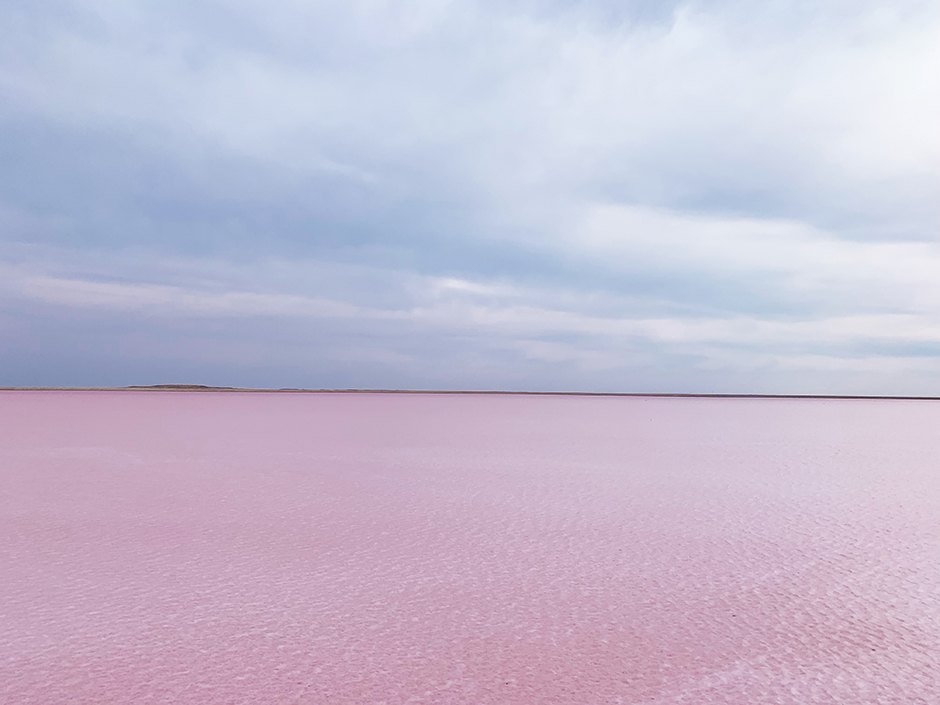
{"x": 176, "y": 301}
{"x": 481, "y": 308}
{"x": 789, "y": 259}
{"x": 785, "y": 153}
{"x": 835, "y": 104}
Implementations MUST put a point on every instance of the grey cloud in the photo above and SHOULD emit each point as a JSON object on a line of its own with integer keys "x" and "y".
{"x": 250, "y": 162}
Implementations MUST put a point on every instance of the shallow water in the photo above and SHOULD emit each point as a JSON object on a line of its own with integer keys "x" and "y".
{"x": 204, "y": 548}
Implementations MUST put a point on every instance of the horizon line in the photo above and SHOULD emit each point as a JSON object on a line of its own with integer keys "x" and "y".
{"x": 500, "y": 392}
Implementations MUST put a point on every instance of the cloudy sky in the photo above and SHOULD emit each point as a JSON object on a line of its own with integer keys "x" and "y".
{"x": 620, "y": 195}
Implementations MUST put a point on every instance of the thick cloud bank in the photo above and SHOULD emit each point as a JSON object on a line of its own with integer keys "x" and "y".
{"x": 699, "y": 196}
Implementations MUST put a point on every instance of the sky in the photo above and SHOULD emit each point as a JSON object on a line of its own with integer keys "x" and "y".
{"x": 598, "y": 195}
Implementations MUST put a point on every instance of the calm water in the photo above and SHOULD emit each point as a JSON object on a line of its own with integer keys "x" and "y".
{"x": 353, "y": 549}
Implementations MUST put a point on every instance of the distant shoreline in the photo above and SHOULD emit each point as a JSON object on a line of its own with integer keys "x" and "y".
{"x": 291, "y": 390}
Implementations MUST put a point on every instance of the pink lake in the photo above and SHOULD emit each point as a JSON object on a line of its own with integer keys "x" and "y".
{"x": 219, "y": 548}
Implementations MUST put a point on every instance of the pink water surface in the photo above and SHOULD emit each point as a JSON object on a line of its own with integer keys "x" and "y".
{"x": 355, "y": 549}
